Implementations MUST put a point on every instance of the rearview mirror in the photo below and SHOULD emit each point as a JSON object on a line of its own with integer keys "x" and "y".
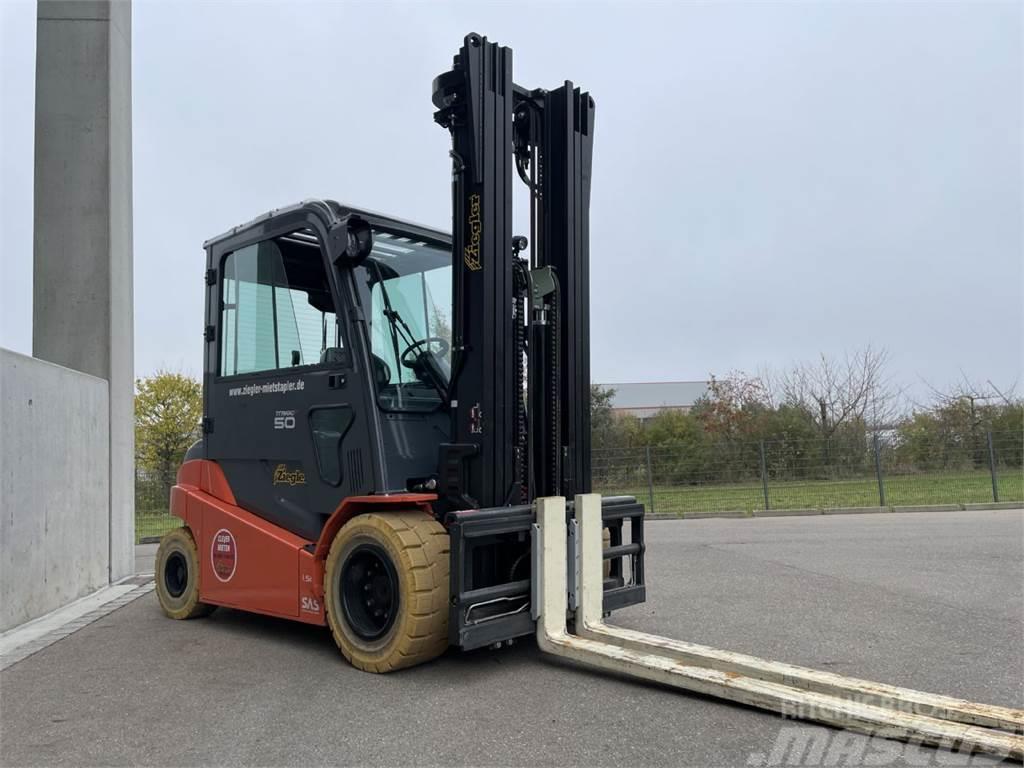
{"x": 359, "y": 243}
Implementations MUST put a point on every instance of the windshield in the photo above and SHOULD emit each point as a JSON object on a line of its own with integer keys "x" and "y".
{"x": 409, "y": 283}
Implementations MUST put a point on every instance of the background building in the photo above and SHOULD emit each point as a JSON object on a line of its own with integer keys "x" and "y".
{"x": 646, "y": 398}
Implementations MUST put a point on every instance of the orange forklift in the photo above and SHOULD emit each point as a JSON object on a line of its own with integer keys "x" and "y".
{"x": 384, "y": 402}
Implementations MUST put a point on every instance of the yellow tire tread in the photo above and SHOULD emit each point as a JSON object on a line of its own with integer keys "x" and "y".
{"x": 418, "y": 547}
{"x": 187, "y": 605}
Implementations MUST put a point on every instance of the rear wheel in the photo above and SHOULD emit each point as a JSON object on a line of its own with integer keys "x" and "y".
{"x": 386, "y": 590}
{"x": 177, "y": 576}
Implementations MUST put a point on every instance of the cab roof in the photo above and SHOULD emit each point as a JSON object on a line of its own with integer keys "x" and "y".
{"x": 333, "y": 211}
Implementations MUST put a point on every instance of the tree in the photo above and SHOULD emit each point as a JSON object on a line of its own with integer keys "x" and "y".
{"x": 679, "y": 447}
{"x": 602, "y": 417}
{"x": 732, "y": 417}
{"x": 835, "y": 393}
{"x": 951, "y": 430}
{"x": 734, "y": 406}
{"x": 168, "y": 413}
{"x": 617, "y": 440}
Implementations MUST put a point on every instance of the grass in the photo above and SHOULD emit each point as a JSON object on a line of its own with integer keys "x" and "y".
{"x": 900, "y": 490}
{"x": 149, "y": 525}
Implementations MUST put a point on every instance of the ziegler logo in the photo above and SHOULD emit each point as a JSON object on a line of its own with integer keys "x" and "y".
{"x": 471, "y": 252}
{"x": 285, "y": 476}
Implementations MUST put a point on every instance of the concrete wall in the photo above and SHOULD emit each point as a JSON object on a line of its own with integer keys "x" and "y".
{"x": 54, "y": 487}
{"x": 82, "y": 286}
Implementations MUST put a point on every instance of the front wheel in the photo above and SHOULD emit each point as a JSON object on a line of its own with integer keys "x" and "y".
{"x": 177, "y": 576}
{"x": 386, "y": 590}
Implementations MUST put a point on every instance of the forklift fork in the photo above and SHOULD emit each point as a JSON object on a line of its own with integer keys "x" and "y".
{"x": 796, "y": 692}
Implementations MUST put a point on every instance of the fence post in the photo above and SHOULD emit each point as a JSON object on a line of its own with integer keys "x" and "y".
{"x": 764, "y": 478}
{"x": 650, "y": 480}
{"x": 992, "y": 467}
{"x": 878, "y": 470}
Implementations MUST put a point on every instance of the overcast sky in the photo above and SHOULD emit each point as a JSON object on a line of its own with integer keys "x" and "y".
{"x": 771, "y": 181}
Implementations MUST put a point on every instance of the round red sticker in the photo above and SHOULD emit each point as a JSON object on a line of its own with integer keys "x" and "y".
{"x": 224, "y": 554}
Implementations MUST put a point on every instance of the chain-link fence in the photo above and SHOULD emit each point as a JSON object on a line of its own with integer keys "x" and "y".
{"x": 879, "y": 470}
{"x": 152, "y": 513}
{"x": 739, "y": 476}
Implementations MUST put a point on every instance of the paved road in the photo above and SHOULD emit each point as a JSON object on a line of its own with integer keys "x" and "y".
{"x": 932, "y": 601}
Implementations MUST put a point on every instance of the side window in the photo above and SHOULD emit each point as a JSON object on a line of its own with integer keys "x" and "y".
{"x": 276, "y": 308}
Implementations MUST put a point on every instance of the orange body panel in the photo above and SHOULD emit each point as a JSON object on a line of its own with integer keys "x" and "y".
{"x": 249, "y": 563}
{"x": 356, "y": 505}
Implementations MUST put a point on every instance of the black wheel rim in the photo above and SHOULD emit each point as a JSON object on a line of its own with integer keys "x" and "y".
{"x": 369, "y": 591}
{"x": 176, "y": 574}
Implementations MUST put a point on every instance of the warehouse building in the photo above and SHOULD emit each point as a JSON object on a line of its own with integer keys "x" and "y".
{"x": 645, "y": 399}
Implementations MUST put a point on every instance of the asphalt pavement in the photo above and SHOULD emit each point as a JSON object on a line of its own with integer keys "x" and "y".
{"x": 928, "y": 601}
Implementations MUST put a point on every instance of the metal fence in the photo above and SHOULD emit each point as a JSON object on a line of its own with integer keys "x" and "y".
{"x": 152, "y": 515}
{"x": 741, "y": 476}
{"x": 878, "y": 470}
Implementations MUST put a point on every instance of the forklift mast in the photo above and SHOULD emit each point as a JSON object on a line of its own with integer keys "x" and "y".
{"x": 512, "y": 439}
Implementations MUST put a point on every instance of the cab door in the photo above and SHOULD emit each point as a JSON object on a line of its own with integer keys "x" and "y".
{"x": 284, "y": 400}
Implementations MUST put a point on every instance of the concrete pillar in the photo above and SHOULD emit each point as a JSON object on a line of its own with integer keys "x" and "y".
{"x": 82, "y": 288}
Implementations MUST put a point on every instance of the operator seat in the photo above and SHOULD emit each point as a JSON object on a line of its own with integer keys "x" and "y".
{"x": 337, "y": 356}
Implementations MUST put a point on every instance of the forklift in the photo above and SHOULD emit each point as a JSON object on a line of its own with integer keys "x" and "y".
{"x": 384, "y": 402}
{"x": 396, "y": 434}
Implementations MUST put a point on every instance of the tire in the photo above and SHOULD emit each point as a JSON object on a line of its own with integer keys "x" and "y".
{"x": 398, "y": 561}
{"x": 177, "y": 576}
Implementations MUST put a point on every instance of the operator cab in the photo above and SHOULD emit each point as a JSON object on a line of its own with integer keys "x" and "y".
{"x": 327, "y": 360}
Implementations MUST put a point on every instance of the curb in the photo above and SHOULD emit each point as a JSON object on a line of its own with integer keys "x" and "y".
{"x": 738, "y": 515}
{"x": 732, "y": 515}
{"x": 992, "y": 505}
{"x": 930, "y": 508}
{"x": 856, "y": 510}
{"x": 785, "y": 512}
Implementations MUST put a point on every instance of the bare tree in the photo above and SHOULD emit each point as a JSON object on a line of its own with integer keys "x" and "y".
{"x": 969, "y": 408}
{"x": 970, "y": 391}
{"x": 836, "y": 392}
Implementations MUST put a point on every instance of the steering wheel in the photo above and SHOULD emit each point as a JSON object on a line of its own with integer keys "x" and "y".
{"x": 409, "y": 361}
